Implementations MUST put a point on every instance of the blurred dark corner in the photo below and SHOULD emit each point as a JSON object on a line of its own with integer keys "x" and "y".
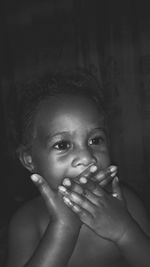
{"x": 111, "y": 38}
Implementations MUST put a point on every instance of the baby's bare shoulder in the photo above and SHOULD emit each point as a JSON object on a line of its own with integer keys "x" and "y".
{"x": 27, "y": 213}
{"x": 25, "y": 219}
{"x": 30, "y": 216}
{"x": 24, "y": 232}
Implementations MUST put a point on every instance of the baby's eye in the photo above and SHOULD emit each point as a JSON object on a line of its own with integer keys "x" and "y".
{"x": 97, "y": 140}
{"x": 62, "y": 145}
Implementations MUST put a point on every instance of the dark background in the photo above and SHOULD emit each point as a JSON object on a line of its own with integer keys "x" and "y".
{"x": 112, "y": 38}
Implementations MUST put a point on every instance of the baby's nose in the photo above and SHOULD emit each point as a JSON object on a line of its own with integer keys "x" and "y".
{"x": 83, "y": 157}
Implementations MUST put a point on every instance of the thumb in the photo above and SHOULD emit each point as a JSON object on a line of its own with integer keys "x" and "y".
{"x": 116, "y": 189}
{"x": 45, "y": 190}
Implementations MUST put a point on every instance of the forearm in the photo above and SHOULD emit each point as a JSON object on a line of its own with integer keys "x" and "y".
{"x": 55, "y": 248}
{"x": 135, "y": 247}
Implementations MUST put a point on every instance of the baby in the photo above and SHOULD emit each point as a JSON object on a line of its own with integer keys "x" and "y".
{"x": 83, "y": 215}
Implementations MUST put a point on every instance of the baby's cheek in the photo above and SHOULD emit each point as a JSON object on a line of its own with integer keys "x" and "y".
{"x": 104, "y": 159}
{"x": 55, "y": 178}
{"x": 53, "y": 174}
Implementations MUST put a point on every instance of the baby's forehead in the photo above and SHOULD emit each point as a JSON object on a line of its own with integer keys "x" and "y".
{"x": 68, "y": 111}
{"x": 74, "y": 117}
{"x": 69, "y": 102}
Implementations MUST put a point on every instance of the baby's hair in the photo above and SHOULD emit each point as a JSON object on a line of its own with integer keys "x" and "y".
{"x": 25, "y": 97}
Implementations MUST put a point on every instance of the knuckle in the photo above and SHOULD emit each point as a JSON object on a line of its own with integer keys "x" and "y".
{"x": 77, "y": 189}
{"x": 85, "y": 192}
{"x": 100, "y": 191}
{"x": 99, "y": 203}
{"x": 83, "y": 216}
{"x": 100, "y": 176}
{"x": 75, "y": 197}
{"x": 44, "y": 189}
{"x": 76, "y": 208}
{"x": 94, "y": 213}
{"x": 41, "y": 186}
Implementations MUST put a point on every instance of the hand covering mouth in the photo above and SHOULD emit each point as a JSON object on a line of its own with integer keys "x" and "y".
{"x": 86, "y": 173}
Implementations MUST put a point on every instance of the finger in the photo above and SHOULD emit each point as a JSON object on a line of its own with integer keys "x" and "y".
{"x": 83, "y": 214}
{"x": 81, "y": 201}
{"x": 66, "y": 192}
{"x": 71, "y": 185}
{"x": 116, "y": 190}
{"x": 83, "y": 177}
{"x": 106, "y": 174}
{"x": 44, "y": 189}
{"x": 99, "y": 191}
{"x": 106, "y": 181}
{"x": 66, "y": 182}
{"x": 95, "y": 188}
{"x": 72, "y": 205}
{"x": 93, "y": 198}
{"x": 90, "y": 185}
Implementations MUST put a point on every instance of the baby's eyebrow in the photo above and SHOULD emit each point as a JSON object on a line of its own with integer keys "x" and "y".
{"x": 101, "y": 128}
{"x": 51, "y": 135}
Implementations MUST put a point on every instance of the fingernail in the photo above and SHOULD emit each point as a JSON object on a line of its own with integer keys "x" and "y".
{"x": 83, "y": 180}
{"x": 93, "y": 168}
{"x": 35, "y": 177}
{"x": 101, "y": 175}
{"x": 113, "y": 174}
{"x": 116, "y": 179}
{"x": 113, "y": 168}
{"x": 66, "y": 182}
{"x": 62, "y": 189}
{"x": 115, "y": 195}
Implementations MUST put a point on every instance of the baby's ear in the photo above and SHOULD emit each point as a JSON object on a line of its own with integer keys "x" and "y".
{"x": 25, "y": 158}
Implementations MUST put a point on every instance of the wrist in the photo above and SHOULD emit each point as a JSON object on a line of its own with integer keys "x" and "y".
{"x": 66, "y": 227}
{"x": 131, "y": 234}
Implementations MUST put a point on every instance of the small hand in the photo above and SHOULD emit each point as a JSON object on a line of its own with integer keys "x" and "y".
{"x": 103, "y": 177}
{"x": 55, "y": 205}
{"x": 106, "y": 214}
{"x": 91, "y": 178}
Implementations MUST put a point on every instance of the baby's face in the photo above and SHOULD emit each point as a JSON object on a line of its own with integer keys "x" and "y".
{"x": 69, "y": 135}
